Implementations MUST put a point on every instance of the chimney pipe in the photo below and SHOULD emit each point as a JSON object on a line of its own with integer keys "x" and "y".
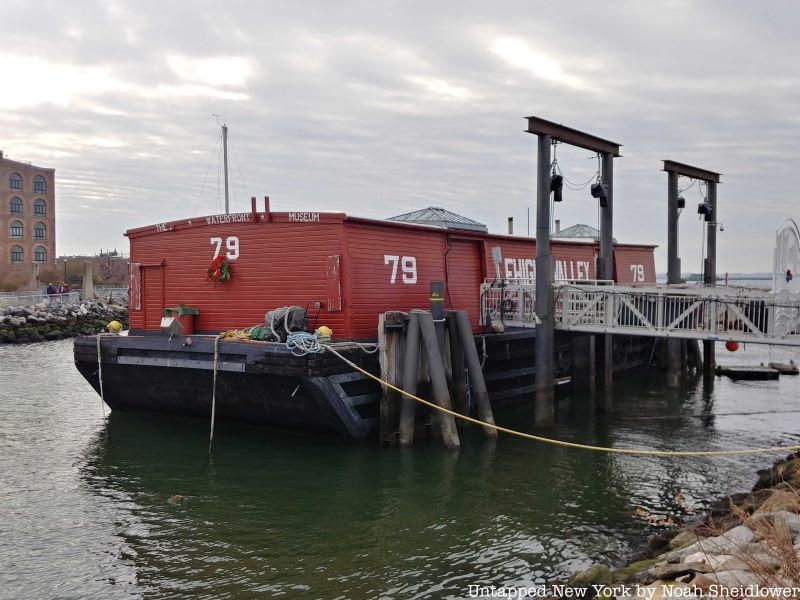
{"x": 558, "y": 225}
{"x": 510, "y": 225}
{"x": 266, "y": 208}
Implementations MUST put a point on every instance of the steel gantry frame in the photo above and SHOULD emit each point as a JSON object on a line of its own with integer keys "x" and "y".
{"x": 548, "y": 132}
{"x": 675, "y": 169}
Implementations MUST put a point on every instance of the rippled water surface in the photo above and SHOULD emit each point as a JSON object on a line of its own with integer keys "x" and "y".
{"x": 83, "y": 515}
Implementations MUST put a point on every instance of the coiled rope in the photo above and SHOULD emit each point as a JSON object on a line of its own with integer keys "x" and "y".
{"x": 562, "y": 443}
{"x": 302, "y": 343}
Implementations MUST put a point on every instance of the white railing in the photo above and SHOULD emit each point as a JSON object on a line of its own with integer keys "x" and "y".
{"x": 708, "y": 313}
{"x": 511, "y": 304}
{"x": 110, "y": 292}
{"x": 512, "y": 301}
{"x": 697, "y": 312}
{"x": 31, "y": 299}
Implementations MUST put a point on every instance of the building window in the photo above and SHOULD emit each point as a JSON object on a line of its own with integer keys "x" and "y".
{"x": 39, "y": 207}
{"x": 16, "y": 205}
{"x": 16, "y": 230}
{"x": 16, "y": 254}
{"x": 39, "y": 254}
{"x": 15, "y": 181}
{"x": 39, "y": 231}
{"x": 39, "y": 184}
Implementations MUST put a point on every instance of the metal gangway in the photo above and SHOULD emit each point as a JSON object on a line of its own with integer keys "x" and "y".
{"x": 683, "y": 311}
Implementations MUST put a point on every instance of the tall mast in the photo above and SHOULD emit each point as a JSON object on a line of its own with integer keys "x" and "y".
{"x": 225, "y": 164}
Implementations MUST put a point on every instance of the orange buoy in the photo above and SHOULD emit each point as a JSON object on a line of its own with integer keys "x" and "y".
{"x": 732, "y": 346}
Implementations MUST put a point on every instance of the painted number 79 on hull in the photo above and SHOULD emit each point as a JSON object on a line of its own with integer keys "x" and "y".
{"x": 408, "y": 268}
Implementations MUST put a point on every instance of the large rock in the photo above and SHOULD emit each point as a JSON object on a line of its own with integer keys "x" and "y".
{"x": 786, "y": 470}
{"x": 598, "y": 574}
{"x": 730, "y": 542}
{"x": 785, "y": 523}
{"x": 684, "y": 538}
{"x": 717, "y": 562}
{"x": 780, "y": 500}
{"x": 684, "y": 568}
{"x": 735, "y": 578}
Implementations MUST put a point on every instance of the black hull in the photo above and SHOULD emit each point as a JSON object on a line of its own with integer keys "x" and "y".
{"x": 263, "y": 383}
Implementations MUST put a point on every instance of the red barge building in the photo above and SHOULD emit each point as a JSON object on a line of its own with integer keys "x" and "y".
{"x": 345, "y": 271}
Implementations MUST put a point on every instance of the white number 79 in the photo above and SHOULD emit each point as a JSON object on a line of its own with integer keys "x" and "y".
{"x": 408, "y": 265}
{"x": 231, "y": 244}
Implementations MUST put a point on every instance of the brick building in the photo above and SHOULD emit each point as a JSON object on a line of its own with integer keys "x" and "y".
{"x": 27, "y": 220}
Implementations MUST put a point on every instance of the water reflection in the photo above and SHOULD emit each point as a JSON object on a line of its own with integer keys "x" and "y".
{"x": 320, "y": 518}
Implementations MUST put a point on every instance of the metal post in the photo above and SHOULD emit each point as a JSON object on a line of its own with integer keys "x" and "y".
{"x": 673, "y": 274}
{"x": 709, "y": 359}
{"x": 225, "y": 164}
{"x": 544, "y": 405}
{"x": 673, "y": 262}
{"x": 606, "y": 263}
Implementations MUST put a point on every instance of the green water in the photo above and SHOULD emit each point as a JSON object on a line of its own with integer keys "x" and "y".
{"x": 83, "y": 515}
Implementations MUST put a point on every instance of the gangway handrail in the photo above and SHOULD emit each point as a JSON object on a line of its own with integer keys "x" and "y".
{"x": 656, "y": 310}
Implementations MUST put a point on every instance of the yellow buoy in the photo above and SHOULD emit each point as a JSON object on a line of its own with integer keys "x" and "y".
{"x": 324, "y": 332}
{"x": 114, "y": 326}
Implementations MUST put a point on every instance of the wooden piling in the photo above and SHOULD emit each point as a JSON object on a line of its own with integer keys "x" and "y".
{"x": 583, "y": 363}
{"x": 673, "y": 362}
{"x": 457, "y": 367}
{"x": 695, "y": 357}
{"x": 479, "y": 391}
{"x": 390, "y": 358}
{"x": 410, "y": 379}
{"x": 441, "y": 395}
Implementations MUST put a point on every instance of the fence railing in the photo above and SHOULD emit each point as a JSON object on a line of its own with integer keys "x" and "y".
{"x": 708, "y": 313}
{"x": 698, "y": 312}
{"x": 110, "y": 292}
{"x": 31, "y": 299}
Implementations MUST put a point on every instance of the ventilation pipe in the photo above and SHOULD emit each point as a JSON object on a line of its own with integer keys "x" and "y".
{"x": 510, "y": 225}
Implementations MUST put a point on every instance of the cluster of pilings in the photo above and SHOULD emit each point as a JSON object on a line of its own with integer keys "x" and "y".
{"x": 438, "y": 359}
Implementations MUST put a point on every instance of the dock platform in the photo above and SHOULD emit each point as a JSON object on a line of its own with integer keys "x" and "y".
{"x": 748, "y": 372}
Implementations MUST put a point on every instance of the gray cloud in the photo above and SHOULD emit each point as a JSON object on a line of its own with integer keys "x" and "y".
{"x": 376, "y": 108}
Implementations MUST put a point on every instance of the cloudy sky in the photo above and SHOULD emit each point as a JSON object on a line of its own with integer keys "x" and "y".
{"x": 380, "y": 107}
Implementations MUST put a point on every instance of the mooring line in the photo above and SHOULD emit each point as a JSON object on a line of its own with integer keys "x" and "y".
{"x": 554, "y": 442}
{"x": 100, "y": 379}
{"x": 213, "y": 395}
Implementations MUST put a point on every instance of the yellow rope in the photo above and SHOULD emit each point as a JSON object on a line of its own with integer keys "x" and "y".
{"x": 538, "y": 438}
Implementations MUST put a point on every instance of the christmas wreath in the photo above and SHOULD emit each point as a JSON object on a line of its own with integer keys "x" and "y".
{"x": 218, "y": 271}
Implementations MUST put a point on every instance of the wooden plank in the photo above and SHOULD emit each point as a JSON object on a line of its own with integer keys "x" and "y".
{"x": 389, "y": 359}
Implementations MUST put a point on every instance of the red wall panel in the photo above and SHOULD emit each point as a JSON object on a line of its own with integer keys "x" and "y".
{"x": 464, "y": 277}
{"x": 572, "y": 260}
{"x": 389, "y": 268}
{"x": 279, "y": 263}
{"x": 634, "y": 264}
{"x": 290, "y": 259}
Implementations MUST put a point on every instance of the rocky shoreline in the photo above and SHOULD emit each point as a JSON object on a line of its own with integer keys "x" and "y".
{"x": 54, "y": 320}
{"x": 747, "y": 542}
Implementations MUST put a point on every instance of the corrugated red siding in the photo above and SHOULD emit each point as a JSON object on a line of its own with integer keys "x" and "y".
{"x": 291, "y": 259}
{"x": 380, "y": 267}
{"x": 634, "y": 264}
{"x": 279, "y": 263}
{"x": 464, "y": 277}
{"x": 572, "y": 260}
